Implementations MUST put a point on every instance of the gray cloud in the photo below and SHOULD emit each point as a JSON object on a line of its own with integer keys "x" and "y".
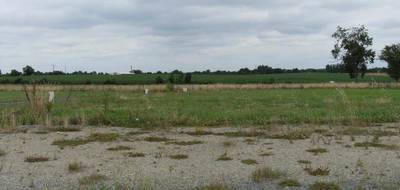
{"x": 185, "y": 34}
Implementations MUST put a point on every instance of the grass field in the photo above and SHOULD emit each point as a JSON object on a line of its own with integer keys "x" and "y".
{"x": 198, "y": 78}
{"x": 206, "y": 108}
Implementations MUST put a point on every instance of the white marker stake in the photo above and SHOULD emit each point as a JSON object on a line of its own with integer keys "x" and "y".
{"x": 146, "y": 91}
{"x": 51, "y": 97}
{"x": 184, "y": 90}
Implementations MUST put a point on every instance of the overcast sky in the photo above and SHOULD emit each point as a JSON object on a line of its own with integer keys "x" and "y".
{"x": 152, "y": 35}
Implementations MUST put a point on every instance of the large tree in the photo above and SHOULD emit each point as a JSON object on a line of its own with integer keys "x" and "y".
{"x": 391, "y": 54}
{"x": 353, "y": 50}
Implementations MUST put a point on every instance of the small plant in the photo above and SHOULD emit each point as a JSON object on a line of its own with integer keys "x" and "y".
{"x": 224, "y": 157}
{"x": 64, "y": 129}
{"x": 304, "y": 161}
{"x": 199, "y": 132}
{"x": 290, "y": 183}
{"x": 324, "y": 186}
{"x": 249, "y": 162}
{"x": 75, "y": 167}
{"x": 135, "y": 154}
{"x": 179, "y": 157}
{"x": 266, "y": 173}
{"x": 317, "y": 151}
{"x": 92, "y": 179}
{"x": 119, "y": 148}
{"x": 103, "y": 137}
{"x": 33, "y": 159}
{"x": 321, "y": 171}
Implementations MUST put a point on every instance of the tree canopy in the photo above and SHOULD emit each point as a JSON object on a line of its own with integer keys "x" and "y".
{"x": 352, "y": 49}
{"x": 391, "y": 54}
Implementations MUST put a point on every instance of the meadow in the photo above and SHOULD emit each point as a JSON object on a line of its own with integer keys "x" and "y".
{"x": 196, "y": 78}
{"x": 203, "y": 108}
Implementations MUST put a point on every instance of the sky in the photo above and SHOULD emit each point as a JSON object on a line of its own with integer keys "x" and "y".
{"x": 189, "y": 35}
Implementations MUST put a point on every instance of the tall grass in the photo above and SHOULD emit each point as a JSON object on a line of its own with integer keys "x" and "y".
{"x": 210, "y": 108}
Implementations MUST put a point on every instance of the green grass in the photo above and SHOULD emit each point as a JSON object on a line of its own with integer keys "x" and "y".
{"x": 199, "y": 78}
{"x": 215, "y": 108}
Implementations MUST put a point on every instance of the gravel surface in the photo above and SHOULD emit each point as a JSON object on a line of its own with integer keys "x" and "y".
{"x": 350, "y": 167}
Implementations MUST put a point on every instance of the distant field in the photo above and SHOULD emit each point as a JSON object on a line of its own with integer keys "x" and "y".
{"x": 211, "y": 108}
{"x": 198, "y": 78}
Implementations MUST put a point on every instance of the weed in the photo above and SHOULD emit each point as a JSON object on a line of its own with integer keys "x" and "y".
{"x": 249, "y": 162}
{"x": 304, "y": 161}
{"x": 92, "y": 179}
{"x": 266, "y": 173}
{"x": 324, "y": 186}
{"x": 134, "y": 154}
{"x": 179, "y": 156}
{"x": 72, "y": 142}
{"x": 103, "y": 137}
{"x": 243, "y": 134}
{"x": 185, "y": 143}
{"x": 199, "y": 132}
{"x": 294, "y": 135}
{"x": 33, "y": 159}
{"x": 317, "y": 151}
{"x": 119, "y": 148}
{"x": 266, "y": 154}
{"x": 376, "y": 145}
{"x": 157, "y": 139}
{"x": 75, "y": 167}
{"x": 64, "y": 129}
{"x": 290, "y": 183}
{"x": 321, "y": 171}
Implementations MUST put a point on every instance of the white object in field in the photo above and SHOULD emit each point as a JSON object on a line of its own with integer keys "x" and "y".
{"x": 51, "y": 97}
{"x": 185, "y": 90}
{"x": 332, "y": 82}
{"x": 146, "y": 91}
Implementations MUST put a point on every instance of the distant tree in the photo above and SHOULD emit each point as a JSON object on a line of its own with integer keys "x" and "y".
{"x": 137, "y": 71}
{"x": 15, "y": 73}
{"x": 391, "y": 54}
{"x": 352, "y": 48}
{"x": 335, "y": 68}
{"x": 159, "y": 80}
{"x": 0, "y": 71}
{"x": 188, "y": 78}
{"x": 244, "y": 71}
{"x": 28, "y": 70}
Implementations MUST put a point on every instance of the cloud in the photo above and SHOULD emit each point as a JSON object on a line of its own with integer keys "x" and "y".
{"x": 190, "y": 35}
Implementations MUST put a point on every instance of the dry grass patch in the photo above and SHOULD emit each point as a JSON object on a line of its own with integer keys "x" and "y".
{"x": 266, "y": 173}
{"x": 199, "y": 132}
{"x": 75, "y": 167}
{"x": 179, "y": 156}
{"x": 33, "y": 159}
{"x": 119, "y": 148}
{"x": 317, "y": 151}
{"x": 2, "y": 153}
{"x": 64, "y": 129}
{"x": 92, "y": 179}
{"x": 293, "y": 135}
{"x": 227, "y": 144}
{"x": 224, "y": 157}
{"x": 249, "y": 162}
{"x": 214, "y": 187}
{"x": 243, "y": 134}
{"x": 135, "y": 154}
{"x": 324, "y": 186}
{"x": 94, "y": 137}
{"x": 290, "y": 183}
